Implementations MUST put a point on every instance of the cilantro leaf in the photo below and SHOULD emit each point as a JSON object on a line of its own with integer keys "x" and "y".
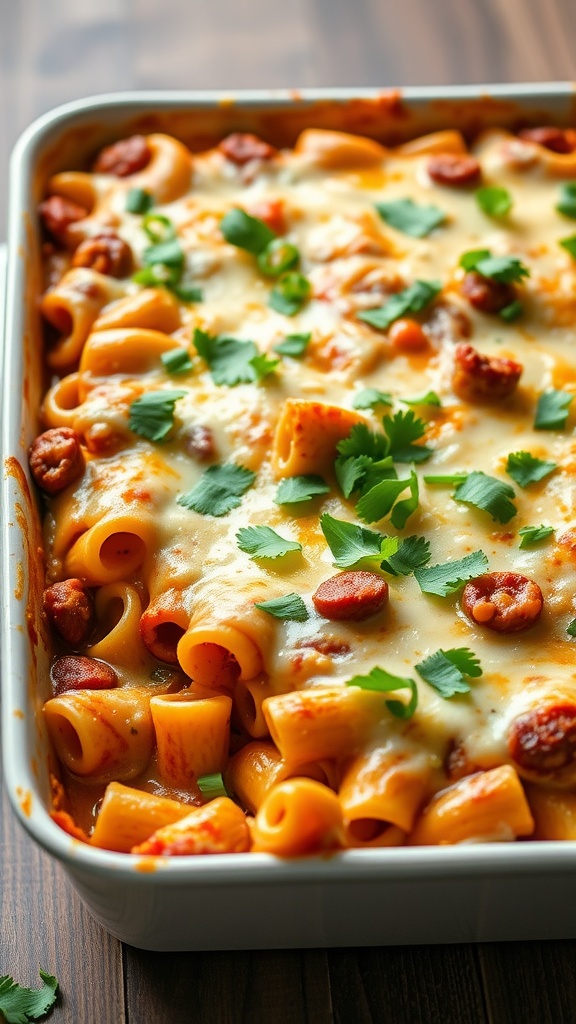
{"x": 176, "y": 360}
{"x": 571, "y": 628}
{"x": 350, "y": 543}
{"x": 446, "y": 478}
{"x": 447, "y": 578}
{"x": 380, "y": 499}
{"x": 552, "y": 410}
{"x": 218, "y": 490}
{"x": 526, "y": 469}
{"x": 430, "y": 398}
{"x": 494, "y": 200}
{"x": 264, "y": 542}
{"x": 368, "y": 398}
{"x": 169, "y": 253}
{"x": 512, "y": 311}
{"x": 445, "y": 671}
{"x": 411, "y": 300}
{"x": 505, "y": 269}
{"x": 567, "y": 201}
{"x": 403, "y": 509}
{"x": 488, "y": 494}
{"x": 411, "y": 218}
{"x": 20, "y": 1005}
{"x": 246, "y": 232}
{"x": 187, "y": 292}
{"x": 291, "y": 608}
{"x": 363, "y": 441}
{"x": 211, "y": 785}
{"x": 152, "y": 415}
{"x": 569, "y": 244}
{"x": 402, "y": 429}
{"x": 532, "y": 535}
{"x": 293, "y": 345}
{"x": 138, "y": 201}
{"x": 412, "y": 553}
{"x": 384, "y": 682}
{"x": 351, "y": 473}
{"x": 290, "y": 293}
{"x": 231, "y": 360}
{"x": 293, "y": 489}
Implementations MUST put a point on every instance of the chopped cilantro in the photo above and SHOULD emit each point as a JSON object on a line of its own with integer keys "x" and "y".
{"x": 18, "y": 1005}
{"x": 377, "y": 502}
{"x": 138, "y": 201}
{"x": 384, "y": 682}
{"x": 412, "y": 553}
{"x": 350, "y": 543}
{"x": 231, "y": 360}
{"x": 494, "y": 200}
{"x": 169, "y": 253}
{"x": 402, "y": 430}
{"x": 369, "y": 398}
{"x": 152, "y": 415}
{"x": 571, "y": 628}
{"x": 212, "y": 785}
{"x": 512, "y": 311}
{"x": 446, "y": 478}
{"x": 293, "y": 489}
{"x": 569, "y": 244}
{"x": 411, "y": 300}
{"x": 187, "y": 292}
{"x": 567, "y": 201}
{"x": 552, "y": 410}
{"x": 218, "y": 490}
{"x": 446, "y": 671}
{"x": 411, "y": 218}
{"x": 290, "y": 293}
{"x": 505, "y": 269}
{"x": 488, "y": 494}
{"x": 176, "y": 360}
{"x": 278, "y": 256}
{"x": 447, "y": 578}
{"x": 293, "y": 345}
{"x": 291, "y": 608}
{"x": 526, "y": 469}
{"x": 430, "y": 398}
{"x": 264, "y": 542}
{"x": 532, "y": 535}
{"x": 363, "y": 441}
{"x": 246, "y": 232}
{"x": 404, "y": 509}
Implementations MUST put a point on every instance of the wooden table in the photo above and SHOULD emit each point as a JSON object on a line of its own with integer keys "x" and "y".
{"x": 55, "y": 51}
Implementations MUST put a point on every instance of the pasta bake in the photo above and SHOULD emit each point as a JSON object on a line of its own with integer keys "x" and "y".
{"x": 307, "y": 464}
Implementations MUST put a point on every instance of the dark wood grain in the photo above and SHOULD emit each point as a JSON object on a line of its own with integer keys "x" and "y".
{"x": 54, "y": 52}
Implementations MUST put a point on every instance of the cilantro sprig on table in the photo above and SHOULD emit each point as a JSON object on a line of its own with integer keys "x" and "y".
{"x": 231, "y": 360}
{"x": 18, "y": 1004}
{"x": 411, "y": 218}
{"x": 218, "y": 490}
{"x": 413, "y": 299}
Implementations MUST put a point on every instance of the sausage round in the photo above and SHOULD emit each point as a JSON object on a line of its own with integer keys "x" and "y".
{"x": 458, "y": 170}
{"x": 56, "y": 459}
{"x": 352, "y": 595}
{"x": 478, "y": 378}
{"x": 70, "y": 610}
{"x": 107, "y": 253}
{"x": 241, "y": 147}
{"x": 76, "y": 672}
{"x": 543, "y": 740}
{"x": 555, "y": 139}
{"x": 485, "y": 294}
{"x": 505, "y": 602}
{"x": 57, "y": 214}
{"x": 124, "y": 157}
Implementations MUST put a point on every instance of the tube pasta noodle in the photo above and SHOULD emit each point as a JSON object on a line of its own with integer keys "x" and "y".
{"x": 306, "y": 456}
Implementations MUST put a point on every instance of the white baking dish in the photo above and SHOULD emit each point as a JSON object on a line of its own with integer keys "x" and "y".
{"x": 405, "y": 895}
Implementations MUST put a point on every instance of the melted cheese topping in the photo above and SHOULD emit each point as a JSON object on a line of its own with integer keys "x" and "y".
{"x": 354, "y": 262}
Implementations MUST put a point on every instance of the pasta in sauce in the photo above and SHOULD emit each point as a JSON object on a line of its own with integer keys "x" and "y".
{"x": 308, "y": 461}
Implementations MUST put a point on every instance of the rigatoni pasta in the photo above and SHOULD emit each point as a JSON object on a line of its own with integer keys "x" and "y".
{"x": 307, "y": 468}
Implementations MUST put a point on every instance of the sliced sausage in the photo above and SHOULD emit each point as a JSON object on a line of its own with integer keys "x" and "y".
{"x": 124, "y": 157}
{"x": 57, "y": 214}
{"x": 241, "y": 147}
{"x": 70, "y": 610}
{"x": 480, "y": 378}
{"x": 485, "y": 294}
{"x": 457, "y": 170}
{"x": 543, "y": 740}
{"x": 76, "y": 672}
{"x": 107, "y": 253}
{"x": 56, "y": 459}
{"x": 352, "y": 595}
{"x": 556, "y": 139}
{"x": 505, "y": 602}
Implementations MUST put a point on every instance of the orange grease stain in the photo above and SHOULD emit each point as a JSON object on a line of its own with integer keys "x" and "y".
{"x": 24, "y": 800}
{"x": 18, "y": 713}
{"x": 147, "y": 865}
